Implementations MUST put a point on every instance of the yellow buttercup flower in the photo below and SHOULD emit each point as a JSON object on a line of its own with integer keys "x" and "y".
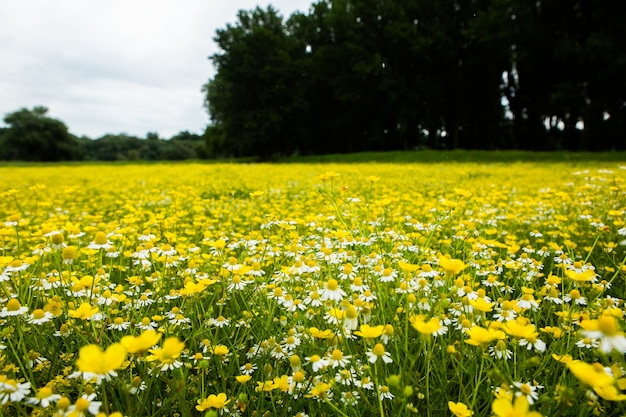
{"x": 92, "y": 362}
{"x": 218, "y": 401}
{"x": 140, "y": 344}
{"x": 451, "y": 266}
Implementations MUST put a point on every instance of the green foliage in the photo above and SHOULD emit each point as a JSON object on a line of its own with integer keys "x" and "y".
{"x": 33, "y": 136}
{"x": 365, "y": 75}
{"x": 123, "y": 147}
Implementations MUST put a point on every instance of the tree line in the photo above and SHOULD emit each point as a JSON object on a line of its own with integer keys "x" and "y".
{"x": 356, "y": 75}
{"x": 32, "y": 135}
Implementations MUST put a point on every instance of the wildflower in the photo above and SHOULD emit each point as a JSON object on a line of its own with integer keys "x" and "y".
{"x": 168, "y": 354}
{"x": 527, "y": 390}
{"x": 69, "y": 254}
{"x": 598, "y": 378}
{"x": 525, "y": 333}
{"x": 384, "y": 393}
{"x": 378, "y": 352}
{"x": 606, "y": 330}
{"x": 12, "y": 390}
{"x": 118, "y": 324}
{"x": 248, "y": 368}
{"x": 146, "y": 324}
{"x": 430, "y": 327}
{"x": 337, "y": 359}
{"x": 503, "y": 407}
{"x": 459, "y": 409}
{"x": 332, "y": 291}
{"x": 83, "y": 405}
{"x": 317, "y": 363}
{"x": 320, "y": 391}
{"x": 242, "y": 379}
{"x": 218, "y": 402}
{"x": 85, "y": 312}
{"x": 16, "y": 265}
{"x": 44, "y": 397}
{"x": 140, "y": 344}
{"x": 479, "y": 336}
{"x": 500, "y": 350}
{"x": 482, "y": 304}
{"x": 13, "y": 308}
{"x": 101, "y": 241}
{"x": 220, "y": 350}
{"x": 451, "y": 266}
{"x": 92, "y": 362}
{"x": 586, "y": 275}
{"x": 388, "y": 332}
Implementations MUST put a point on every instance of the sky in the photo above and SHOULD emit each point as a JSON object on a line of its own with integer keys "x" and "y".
{"x": 116, "y": 66}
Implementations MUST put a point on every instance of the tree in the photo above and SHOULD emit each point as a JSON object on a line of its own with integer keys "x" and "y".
{"x": 33, "y": 136}
{"x": 252, "y": 95}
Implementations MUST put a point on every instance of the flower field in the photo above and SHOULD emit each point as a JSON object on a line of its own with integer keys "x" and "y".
{"x": 448, "y": 289}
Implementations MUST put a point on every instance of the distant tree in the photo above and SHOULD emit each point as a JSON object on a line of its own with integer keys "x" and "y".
{"x": 252, "y": 97}
{"x": 113, "y": 148}
{"x": 33, "y": 136}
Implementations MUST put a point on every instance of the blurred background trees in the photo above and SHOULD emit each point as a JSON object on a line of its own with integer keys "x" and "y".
{"x": 376, "y": 75}
{"x": 355, "y": 75}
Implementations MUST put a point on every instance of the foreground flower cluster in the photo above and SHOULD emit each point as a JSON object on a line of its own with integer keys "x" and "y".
{"x": 295, "y": 290}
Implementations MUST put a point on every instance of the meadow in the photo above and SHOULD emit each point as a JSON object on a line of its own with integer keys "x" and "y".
{"x": 361, "y": 289}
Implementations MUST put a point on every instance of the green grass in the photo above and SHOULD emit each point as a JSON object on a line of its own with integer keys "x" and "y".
{"x": 432, "y": 156}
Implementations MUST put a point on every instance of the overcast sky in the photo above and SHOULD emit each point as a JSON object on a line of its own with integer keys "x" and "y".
{"x": 115, "y": 66}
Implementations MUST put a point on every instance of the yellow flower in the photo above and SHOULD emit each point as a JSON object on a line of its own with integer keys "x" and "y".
{"x": 140, "y": 344}
{"x": 502, "y": 407}
{"x": 405, "y": 266}
{"x": 242, "y": 379}
{"x": 432, "y": 326}
{"x": 459, "y": 409}
{"x": 220, "y": 350}
{"x": 368, "y": 332}
{"x": 168, "y": 354}
{"x": 213, "y": 401}
{"x": 451, "y": 266}
{"x": 481, "y": 304}
{"x": 479, "y": 336}
{"x": 597, "y": 378}
{"x": 84, "y": 312}
{"x": 94, "y": 363}
{"x": 520, "y": 330}
{"x": 584, "y": 276}
{"x": 320, "y": 334}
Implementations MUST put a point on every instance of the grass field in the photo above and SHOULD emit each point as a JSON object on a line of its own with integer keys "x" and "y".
{"x": 355, "y": 289}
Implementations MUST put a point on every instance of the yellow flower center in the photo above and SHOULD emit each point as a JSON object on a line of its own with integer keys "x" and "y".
{"x": 101, "y": 238}
{"x": 13, "y": 305}
{"x": 332, "y": 284}
{"x": 82, "y": 404}
{"x": 44, "y": 392}
{"x": 608, "y": 325}
{"x": 379, "y": 349}
{"x": 16, "y": 263}
{"x": 38, "y": 314}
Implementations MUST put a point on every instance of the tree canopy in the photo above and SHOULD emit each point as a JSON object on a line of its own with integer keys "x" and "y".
{"x": 33, "y": 136}
{"x": 355, "y": 75}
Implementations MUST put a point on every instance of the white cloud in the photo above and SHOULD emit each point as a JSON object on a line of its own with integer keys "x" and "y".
{"x": 114, "y": 66}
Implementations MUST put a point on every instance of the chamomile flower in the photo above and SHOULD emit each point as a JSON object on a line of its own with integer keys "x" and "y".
{"x": 527, "y": 390}
{"x": 378, "y": 352}
{"x": 332, "y": 291}
{"x": 13, "y": 308}
{"x": 39, "y": 316}
{"x": 12, "y": 390}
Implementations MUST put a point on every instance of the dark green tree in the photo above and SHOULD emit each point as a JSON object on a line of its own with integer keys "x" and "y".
{"x": 252, "y": 95}
{"x": 33, "y": 136}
